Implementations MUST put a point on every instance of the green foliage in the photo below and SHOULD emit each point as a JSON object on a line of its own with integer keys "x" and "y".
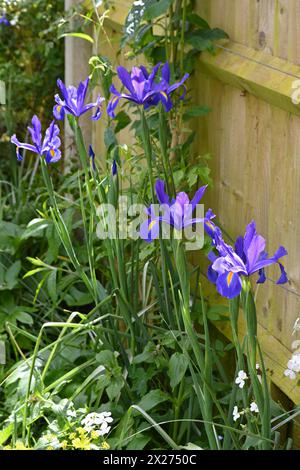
{"x": 31, "y": 60}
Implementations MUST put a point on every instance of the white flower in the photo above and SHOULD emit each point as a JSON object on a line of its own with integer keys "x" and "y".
{"x": 236, "y": 415}
{"x": 297, "y": 326}
{"x": 240, "y": 380}
{"x": 254, "y": 407}
{"x": 290, "y": 373}
{"x": 104, "y": 429}
{"x": 100, "y": 421}
{"x": 71, "y": 413}
{"x": 294, "y": 363}
{"x": 139, "y": 3}
{"x": 257, "y": 366}
{"x": 296, "y": 346}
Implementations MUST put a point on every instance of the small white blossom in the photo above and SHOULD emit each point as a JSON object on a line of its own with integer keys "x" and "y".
{"x": 257, "y": 366}
{"x": 236, "y": 415}
{"x": 138, "y": 3}
{"x": 294, "y": 363}
{"x": 254, "y": 407}
{"x": 290, "y": 373}
{"x": 240, "y": 380}
{"x": 98, "y": 422}
{"x": 296, "y": 346}
{"x": 296, "y": 326}
{"x": 71, "y": 413}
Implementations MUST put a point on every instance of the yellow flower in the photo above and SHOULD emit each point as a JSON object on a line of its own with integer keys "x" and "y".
{"x": 82, "y": 443}
{"x": 64, "y": 444}
{"x": 50, "y": 448}
{"x": 49, "y": 437}
{"x": 20, "y": 446}
{"x": 95, "y": 434}
{"x": 72, "y": 436}
{"x": 81, "y": 431}
{"x": 104, "y": 446}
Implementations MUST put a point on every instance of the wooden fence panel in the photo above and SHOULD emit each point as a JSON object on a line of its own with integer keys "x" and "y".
{"x": 253, "y": 134}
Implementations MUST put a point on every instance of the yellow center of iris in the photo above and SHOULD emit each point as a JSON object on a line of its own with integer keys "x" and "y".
{"x": 151, "y": 225}
{"x": 209, "y": 224}
{"x": 115, "y": 98}
{"x": 229, "y": 279}
{"x": 52, "y": 153}
{"x": 58, "y": 108}
{"x": 164, "y": 94}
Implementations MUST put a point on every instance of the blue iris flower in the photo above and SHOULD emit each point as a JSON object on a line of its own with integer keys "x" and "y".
{"x": 72, "y": 101}
{"x": 48, "y": 147}
{"x": 92, "y": 157}
{"x": 178, "y": 212}
{"x": 143, "y": 89}
{"x": 246, "y": 258}
{"x": 4, "y": 20}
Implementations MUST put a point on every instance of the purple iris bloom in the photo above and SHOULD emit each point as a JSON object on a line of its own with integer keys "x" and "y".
{"x": 248, "y": 257}
{"x": 143, "y": 89}
{"x": 49, "y": 147}
{"x": 72, "y": 101}
{"x": 4, "y": 20}
{"x": 92, "y": 157}
{"x": 177, "y": 212}
{"x": 114, "y": 168}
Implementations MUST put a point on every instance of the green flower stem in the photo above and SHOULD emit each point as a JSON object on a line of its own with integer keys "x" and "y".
{"x": 251, "y": 320}
{"x": 48, "y": 182}
{"x": 148, "y": 150}
{"x": 260, "y": 390}
{"x": 177, "y": 408}
{"x": 165, "y": 283}
{"x": 80, "y": 144}
{"x": 234, "y": 308}
{"x": 204, "y": 362}
{"x": 163, "y": 133}
{"x": 208, "y": 378}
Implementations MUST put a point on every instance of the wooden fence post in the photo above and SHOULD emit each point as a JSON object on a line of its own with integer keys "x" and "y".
{"x": 2, "y": 92}
{"x": 77, "y": 54}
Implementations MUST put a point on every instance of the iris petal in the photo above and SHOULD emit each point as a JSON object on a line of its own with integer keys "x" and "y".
{"x": 125, "y": 78}
{"x": 229, "y": 284}
{"x": 149, "y": 230}
{"x": 283, "y": 277}
{"x": 212, "y": 275}
{"x": 198, "y": 196}
{"x": 162, "y": 196}
{"x": 59, "y": 112}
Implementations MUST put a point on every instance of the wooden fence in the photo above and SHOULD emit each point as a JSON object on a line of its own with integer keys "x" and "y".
{"x": 253, "y": 134}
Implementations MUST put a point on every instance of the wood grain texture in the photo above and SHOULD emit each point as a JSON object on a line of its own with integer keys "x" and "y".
{"x": 2, "y": 92}
{"x": 266, "y": 77}
{"x": 270, "y": 26}
{"x": 255, "y": 143}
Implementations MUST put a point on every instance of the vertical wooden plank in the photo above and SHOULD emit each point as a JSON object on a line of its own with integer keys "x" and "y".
{"x": 77, "y": 54}
{"x": 2, "y": 92}
{"x": 293, "y": 36}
